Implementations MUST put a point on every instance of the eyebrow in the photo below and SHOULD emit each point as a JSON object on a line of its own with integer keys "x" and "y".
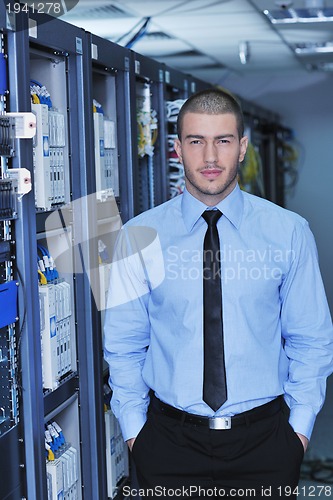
{"x": 195, "y": 136}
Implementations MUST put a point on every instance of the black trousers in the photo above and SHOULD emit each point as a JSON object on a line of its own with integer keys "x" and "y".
{"x": 260, "y": 459}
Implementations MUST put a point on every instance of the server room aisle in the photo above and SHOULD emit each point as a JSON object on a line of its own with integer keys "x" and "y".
{"x": 317, "y": 470}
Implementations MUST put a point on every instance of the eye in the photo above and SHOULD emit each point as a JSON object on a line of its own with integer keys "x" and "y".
{"x": 224, "y": 141}
{"x": 195, "y": 141}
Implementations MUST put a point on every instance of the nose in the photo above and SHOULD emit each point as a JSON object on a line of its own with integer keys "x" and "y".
{"x": 210, "y": 153}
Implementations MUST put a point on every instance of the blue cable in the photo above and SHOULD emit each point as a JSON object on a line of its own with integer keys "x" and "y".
{"x": 51, "y": 274}
{"x": 42, "y": 98}
{"x": 46, "y": 272}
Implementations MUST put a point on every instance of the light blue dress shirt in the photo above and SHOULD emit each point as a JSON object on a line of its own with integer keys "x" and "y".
{"x": 278, "y": 336}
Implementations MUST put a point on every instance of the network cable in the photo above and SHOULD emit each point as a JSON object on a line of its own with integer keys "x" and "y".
{"x": 47, "y": 264}
{"x": 39, "y": 93}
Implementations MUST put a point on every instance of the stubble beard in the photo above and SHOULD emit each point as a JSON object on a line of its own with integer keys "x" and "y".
{"x": 218, "y": 190}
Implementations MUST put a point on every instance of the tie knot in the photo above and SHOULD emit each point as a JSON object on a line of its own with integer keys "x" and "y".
{"x": 211, "y": 216}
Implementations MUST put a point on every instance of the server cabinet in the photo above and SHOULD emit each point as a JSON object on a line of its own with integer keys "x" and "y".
{"x": 176, "y": 84}
{"x": 196, "y": 85}
{"x": 109, "y": 79}
{"x": 287, "y": 157}
{"x": 114, "y": 147}
{"x": 149, "y": 165}
{"x": 54, "y": 78}
{"x": 74, "y": 401}
{"x": 260, "y": 171}
{"x": 176, "y": 91}
{"x": 52, "y": 223}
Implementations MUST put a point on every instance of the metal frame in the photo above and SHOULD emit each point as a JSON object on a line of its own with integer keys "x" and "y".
{"x": 196, "y": 85}
{"x": 176, "y": 80}
{"x": 89, "y": 345}
{"x": 32, "y": 401}
{"x": 72, "y": 41}
{"x": 150, "y": 71}
{"x": 176, "y": 86}
{"x": 11, "y": 443}
{"x": 114, "y": 59}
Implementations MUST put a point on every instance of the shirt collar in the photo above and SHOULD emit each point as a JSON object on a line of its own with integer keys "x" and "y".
{"x": 231, "y": 207}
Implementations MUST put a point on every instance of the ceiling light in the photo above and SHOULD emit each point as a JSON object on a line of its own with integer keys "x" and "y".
{"x": 244, "y": 52}
{"x": 314, "y": 48}
{"x": 284, "y": 4}
{"x": 327, "y": 67}
{"x": 298, "y": 16}
{"x": 314, "y": 4}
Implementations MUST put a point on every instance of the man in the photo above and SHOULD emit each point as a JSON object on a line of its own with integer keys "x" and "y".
{"x": 239, "y": 298}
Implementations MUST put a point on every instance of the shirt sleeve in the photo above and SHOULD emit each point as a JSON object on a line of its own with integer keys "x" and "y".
{"x": 307, "y": 333}
{"x": 126, "y": 335}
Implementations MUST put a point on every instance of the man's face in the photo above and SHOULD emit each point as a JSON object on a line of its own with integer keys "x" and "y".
{"x": 210, "y": 151}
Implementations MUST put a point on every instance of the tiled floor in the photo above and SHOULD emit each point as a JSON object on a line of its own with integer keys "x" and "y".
{"x": 319, "y": 457}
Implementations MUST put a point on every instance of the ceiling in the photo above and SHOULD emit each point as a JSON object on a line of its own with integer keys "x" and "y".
{"x": 207, "y": 38}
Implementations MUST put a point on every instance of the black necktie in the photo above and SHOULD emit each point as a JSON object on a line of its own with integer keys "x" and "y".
{"x": 214, "y": 387}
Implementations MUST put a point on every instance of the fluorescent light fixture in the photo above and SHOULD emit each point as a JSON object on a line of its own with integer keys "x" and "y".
{"x": 244, "y": 52}
{"x": 327, "y": 67}
{"x": 309, "y": 49}
{"x": 300, "y": 16}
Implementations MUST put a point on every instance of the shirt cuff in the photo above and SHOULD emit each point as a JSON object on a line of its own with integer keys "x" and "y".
{"x": 302, "y": 420}
{"x": 131, "y": 424}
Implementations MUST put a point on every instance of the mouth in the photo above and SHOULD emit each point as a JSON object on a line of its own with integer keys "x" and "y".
{"x": 211, "y": 173}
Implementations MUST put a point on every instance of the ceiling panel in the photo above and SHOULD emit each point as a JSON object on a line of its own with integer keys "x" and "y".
{"x": 296, "y": 4}
{"x": 156, "y": 48}
{"x": 185, "y": 62}
{"x": 211, "y": 29}
{"x": 307, "y": 35}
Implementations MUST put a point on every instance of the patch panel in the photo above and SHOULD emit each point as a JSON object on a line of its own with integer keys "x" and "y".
{"x": 116, "y": 454}
{"x": 7, "y": 136}
{"x": 9, "y": 405}
{"x": 56, "y": 334}
{"x": 61, "y": 465}
{"x": 8, "y": 200}
{"x": 176, "y": 169}
{"x": 48, "y": 153}
{"x": 147, "y": 134}
{"x": 106, "y": 160}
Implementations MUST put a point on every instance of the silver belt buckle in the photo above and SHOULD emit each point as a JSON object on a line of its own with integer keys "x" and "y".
{"x": 220, "y": 423}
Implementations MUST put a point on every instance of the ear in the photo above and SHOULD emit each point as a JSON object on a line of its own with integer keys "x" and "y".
{"x": 243, "y": 147}
{"x": 178, "y": 149}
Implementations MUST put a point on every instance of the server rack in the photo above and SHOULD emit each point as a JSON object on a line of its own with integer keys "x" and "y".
{"x": 54, "y": 66}
{"x": 259, "y": 173}
{"x": 287, "y": 157}
{"x": 110, "y": 84}
{"x": 109, "y": 87}
{"x": 77, "y": 403}
{"x": 196, "y": 85}
{"x": 176, "y": 91}
{"x": 149, "y": 166}
{"x": 176, "y": 84}
{"x": 62, "y": 59}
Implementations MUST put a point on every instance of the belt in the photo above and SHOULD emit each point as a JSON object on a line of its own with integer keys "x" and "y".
{"x": 216, "y": 423}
